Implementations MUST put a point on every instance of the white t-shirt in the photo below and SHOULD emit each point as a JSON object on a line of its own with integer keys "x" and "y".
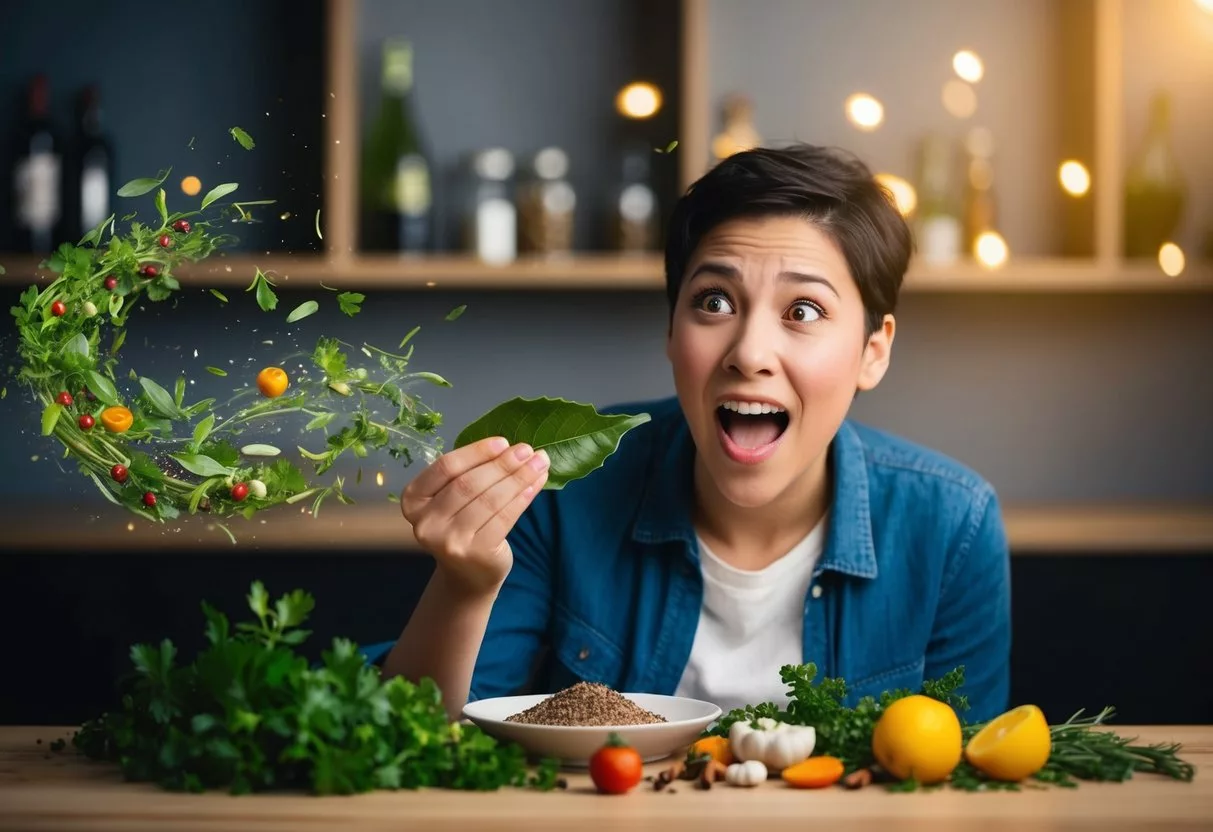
{"x": 751, "y": 624}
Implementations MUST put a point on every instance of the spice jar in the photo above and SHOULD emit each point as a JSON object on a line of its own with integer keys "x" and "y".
{"x": 546, "y": 206}
{"x": 634, "y": 220}
{"x": 490, "y": 223}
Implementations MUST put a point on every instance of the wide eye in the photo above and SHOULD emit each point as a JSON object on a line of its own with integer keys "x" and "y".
{"x": 714, "y": 303}
{"x": 804, "y": 311}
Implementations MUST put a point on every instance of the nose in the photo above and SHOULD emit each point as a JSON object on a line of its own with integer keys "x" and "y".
{"x": 752, "y": 353}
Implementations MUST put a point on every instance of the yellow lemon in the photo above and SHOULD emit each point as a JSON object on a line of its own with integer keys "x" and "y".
{"x": 1013, "y": 746}
{"x": 918, "y": 737}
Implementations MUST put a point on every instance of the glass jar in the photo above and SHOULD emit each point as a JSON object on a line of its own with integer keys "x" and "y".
{"x": 491, "y": 219}
{"x": 546, "y": 206}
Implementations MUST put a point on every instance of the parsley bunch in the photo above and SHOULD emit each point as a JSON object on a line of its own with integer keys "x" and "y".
{"x": 249, "y": 714}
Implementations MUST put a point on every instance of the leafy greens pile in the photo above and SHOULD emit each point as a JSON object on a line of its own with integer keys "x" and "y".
{"x": 249, "y": 714}
{"x": 1079, "y": 752}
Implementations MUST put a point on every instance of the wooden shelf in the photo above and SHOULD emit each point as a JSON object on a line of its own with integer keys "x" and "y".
{"x": 379, "y": 527}
{"x": 606, "y": 271}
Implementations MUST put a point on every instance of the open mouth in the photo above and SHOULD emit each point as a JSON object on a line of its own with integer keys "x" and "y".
{"x": 752, "y": 430}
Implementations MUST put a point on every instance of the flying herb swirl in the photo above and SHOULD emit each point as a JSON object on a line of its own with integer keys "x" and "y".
{"x": 145, "y": 446}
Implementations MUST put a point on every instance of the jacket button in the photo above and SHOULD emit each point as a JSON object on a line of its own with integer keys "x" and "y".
{"x": 584, "y": 654}
{"x": 816, "y": 590}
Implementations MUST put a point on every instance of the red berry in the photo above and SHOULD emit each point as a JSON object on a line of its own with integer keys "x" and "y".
{"x": 58, "y": 309}
{"x": 64, "y": 398}
{"x": 182, "y": 225}
{"x": 239, "y": 491}
{"x": 111, "y": 283}
{"x": 165, "y": 241}
{"x": 119, "y": 473}
{"x": 86, "y": 422}
{"x": 149, "y": 499}
{"x": 149, "y": 271}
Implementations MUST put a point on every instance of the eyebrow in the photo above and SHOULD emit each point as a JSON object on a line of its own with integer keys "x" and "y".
{"x": 732, "y": 273}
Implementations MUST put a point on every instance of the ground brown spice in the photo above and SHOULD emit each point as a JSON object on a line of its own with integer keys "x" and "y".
{"x": 588, "y": 704}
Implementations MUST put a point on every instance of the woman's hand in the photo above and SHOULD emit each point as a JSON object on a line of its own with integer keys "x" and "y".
{"x": 464, "y": 504}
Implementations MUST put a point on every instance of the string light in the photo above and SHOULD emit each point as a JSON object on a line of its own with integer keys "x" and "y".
{"x": 968, "y": 66}
{"x": 991, "y": 249}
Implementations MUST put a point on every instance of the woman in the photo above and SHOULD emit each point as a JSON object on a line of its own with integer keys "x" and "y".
{"x": 749, "y": 524}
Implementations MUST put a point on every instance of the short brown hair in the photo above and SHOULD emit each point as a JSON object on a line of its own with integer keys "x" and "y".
{"x": 827, "y": 186}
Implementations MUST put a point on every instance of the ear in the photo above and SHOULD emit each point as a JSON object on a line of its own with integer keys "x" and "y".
{"x": 876, "y": 355}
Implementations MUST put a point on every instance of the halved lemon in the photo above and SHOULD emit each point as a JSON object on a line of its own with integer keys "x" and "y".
{"x": 1012, "y": 746}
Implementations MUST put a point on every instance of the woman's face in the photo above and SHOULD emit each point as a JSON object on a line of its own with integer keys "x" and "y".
{"x": 768, "y": 350}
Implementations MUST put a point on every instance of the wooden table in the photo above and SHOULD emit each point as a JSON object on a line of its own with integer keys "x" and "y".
{"x": 42, "y": 790}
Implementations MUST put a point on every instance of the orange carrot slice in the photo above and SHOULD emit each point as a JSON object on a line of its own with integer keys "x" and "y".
{"x": 814, "y": 773}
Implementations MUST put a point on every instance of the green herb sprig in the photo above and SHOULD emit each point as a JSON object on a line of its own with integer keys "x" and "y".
{"x": 249, "y": 714}
{"x": 1082, "y": 747}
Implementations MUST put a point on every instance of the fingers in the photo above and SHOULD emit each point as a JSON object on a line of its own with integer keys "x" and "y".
{"x": 455, "y": 464}
{"x": 496, "y": 527}
{"x": 500, "y": 494}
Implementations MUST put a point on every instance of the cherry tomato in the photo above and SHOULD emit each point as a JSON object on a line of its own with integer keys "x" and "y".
{"x": 86, "y": 422}
{"x": 239, "y": 492}
{"x": 111, "y": 283}
{"x": 64, "y": 398}
{"x": 119, "y": 473}
{"x": 182, "y": 225}
{"x": 149, "y": 271}
{"x": 616, "y": 767}
{"x": 149, "y": 499}
{"x": 58, "y": 309}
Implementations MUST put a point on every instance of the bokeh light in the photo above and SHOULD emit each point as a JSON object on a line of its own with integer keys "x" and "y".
{"x": 968, "y": 66}
{"x": 991, "y": 249}
{"x": 1075, "y": 178}
{"x": 959, "y": 98}
{"x": 639, "y": 99}
{"x": 1171, "y": 259}
{"x": 864, "y": 111}
{"x": 903, "y": 192}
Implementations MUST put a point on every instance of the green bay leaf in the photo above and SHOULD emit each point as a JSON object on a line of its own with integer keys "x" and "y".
{"x": 218, "y": 192}
{"x": 202, "y": 465}
{"x": 577, "y": 438}
{"x": 102, "y": 388}
{"x": 308, "y": 307}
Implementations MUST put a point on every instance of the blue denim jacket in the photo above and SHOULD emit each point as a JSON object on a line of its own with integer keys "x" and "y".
{"x": 914, "y": 578}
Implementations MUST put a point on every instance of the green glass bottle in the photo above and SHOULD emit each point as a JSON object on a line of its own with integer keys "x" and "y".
{"x": 397, "y": 196}
{"x": 1155, "y": 191}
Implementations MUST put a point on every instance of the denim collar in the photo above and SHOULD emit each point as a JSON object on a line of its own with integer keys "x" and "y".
{"x": 667, "y": 503}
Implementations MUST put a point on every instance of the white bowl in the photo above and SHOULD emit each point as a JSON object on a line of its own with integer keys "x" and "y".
{"x": 574, "y": 745}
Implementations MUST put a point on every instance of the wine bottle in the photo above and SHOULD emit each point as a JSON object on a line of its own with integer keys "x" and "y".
{"x": 1155, "y": 190}
{"x": 91, "y": 170}
{"x": 37, "y": 195}
{"x": 397, "y": 196}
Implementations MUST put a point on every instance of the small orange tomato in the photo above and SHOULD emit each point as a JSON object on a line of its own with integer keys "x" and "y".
{"x": 616, "y": 767}
{"x": 117, "y": 419}
{"x": 272, "y": 382}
